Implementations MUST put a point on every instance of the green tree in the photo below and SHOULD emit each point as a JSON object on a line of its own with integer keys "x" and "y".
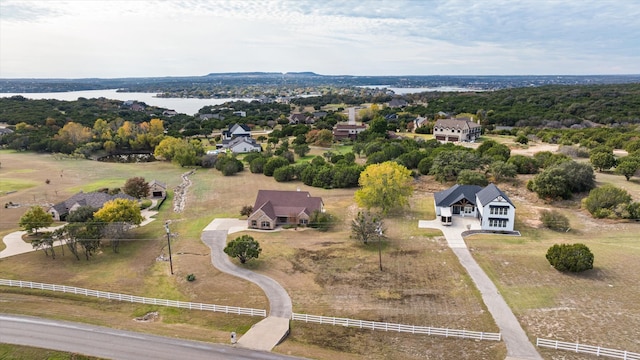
{"x": 470, "y": 177}
{"x": 570, "y": 257}
{"x": 35, "y": 218}
{"x": 244, "y": 248}
{"x": 602, "y": 160}
{"x": 386, "y": 186}
{"x": 301, "y": 149}
{"x": 448, "y": 164}
{"x": 272, "y": 164}
{"x": 628, "y": 166}
{"x": 524, "y": 164}
{"x": 562, "y": 180}
{"x": 136, "y": 187}
{"x": 605, "y": 200}
{"x": 501, "y": 170}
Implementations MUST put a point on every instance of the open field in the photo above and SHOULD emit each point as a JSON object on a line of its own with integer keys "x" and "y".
{"x": 329, "y": 274}
{"x": 325, "y": 273}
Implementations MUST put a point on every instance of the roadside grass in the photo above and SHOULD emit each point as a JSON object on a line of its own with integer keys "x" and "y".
{"x": 15, "y": 352}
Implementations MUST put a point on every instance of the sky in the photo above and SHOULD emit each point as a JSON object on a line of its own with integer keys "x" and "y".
{"x": 139, "y": 38}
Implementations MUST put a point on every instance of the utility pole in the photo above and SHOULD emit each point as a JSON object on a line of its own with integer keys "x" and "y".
{"x": 166, "y": 228}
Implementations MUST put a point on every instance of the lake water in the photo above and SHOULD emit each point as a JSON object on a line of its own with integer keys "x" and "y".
{"x": 413, "y": 90}
{"x": 183, "y": 106}
{"x": 187, "y": 106}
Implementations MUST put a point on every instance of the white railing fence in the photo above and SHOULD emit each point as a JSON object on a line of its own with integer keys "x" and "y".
{"x": 371, "y": 325}
{"x": 134, "y": 299}
{"x": 587, "y": 349}
{"x": 374, "y": 325}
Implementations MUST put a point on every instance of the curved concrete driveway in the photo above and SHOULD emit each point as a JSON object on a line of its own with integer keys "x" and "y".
{"x": 518, "y": 344}
{"x": 269, "y": 332}
{"x": 16, "y": 246}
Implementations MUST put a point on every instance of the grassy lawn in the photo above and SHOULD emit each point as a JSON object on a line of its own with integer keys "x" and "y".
{"x": 596, "y": 307}
{"x": 12, "y": 352}
{"x": 329, "y": 273}
{"x": 325, "y": 273}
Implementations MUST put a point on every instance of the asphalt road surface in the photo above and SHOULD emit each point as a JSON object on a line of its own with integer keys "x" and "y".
{"x": 114, "y": 344}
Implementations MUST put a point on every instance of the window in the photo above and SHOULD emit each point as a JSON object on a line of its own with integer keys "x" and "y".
{"x": 265, "y": 224}
{"x": 497, "y": 222}
{"x": 498, "y": 210}
{"x": 304, "y": 221}
{"x": 254, "y": 223}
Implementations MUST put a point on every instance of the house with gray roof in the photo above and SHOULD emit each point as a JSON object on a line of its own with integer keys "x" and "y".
{"x": 241, "y": 145}
{"x": 274, "y": 208}
{"x": 490, "y": 205}
{"x": 455, "y": 130}
{"x": 95, "y": 200}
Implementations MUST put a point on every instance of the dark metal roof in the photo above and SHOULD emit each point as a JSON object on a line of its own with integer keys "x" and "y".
{"x": 456, "y": 193}
{"x": 490, "y": 193}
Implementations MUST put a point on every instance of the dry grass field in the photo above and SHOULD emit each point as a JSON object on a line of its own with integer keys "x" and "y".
{"x": 328, "y": 273}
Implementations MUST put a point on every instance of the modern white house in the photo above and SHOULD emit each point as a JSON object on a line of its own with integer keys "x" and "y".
{"x": 489, "y": 204}
{"x": 241, "y": 145}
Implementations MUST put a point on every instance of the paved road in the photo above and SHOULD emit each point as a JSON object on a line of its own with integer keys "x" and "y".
{"x": 115, "y": 344}
{"x": 518, "y": 344}
{"x": 266, "y": 334}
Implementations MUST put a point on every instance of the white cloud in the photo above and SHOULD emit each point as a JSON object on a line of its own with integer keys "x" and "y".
{"x": 161, "y": 38}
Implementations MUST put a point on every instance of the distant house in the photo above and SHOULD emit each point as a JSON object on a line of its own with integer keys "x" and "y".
{"x": 489, "y": 204}
{"x": 419, "y": 122}
{"x": 157, "y": 189}
{"x": 454, "y": 130}
{"x": 5, "y": 131}
{"x": 236, "y": 130}
{"x": 347, "y": 131}
{"x": 240, "y": 113}
{"x": 319, "y": 114}
{"x": 95, "y": 200}
{"x": 301, "y": 119}
{"x": 169, "y": 113}
{"x": 397, "y": 102}
{"x": 211, "y": 116}
{"x": 243, "y": 144}
{"x": 274, "y": 207}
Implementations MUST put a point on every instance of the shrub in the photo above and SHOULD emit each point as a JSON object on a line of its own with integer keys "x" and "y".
{"x": 321, "y": 221}
{"x": 570, "y": 257}
{"x": 554, "y": 220}
{"x": 606, "y": 197}
{"x": 191, "y": 277}
{"x": 522, "y": 139}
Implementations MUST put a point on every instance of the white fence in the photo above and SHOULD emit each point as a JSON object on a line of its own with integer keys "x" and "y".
{"x": 135, "y": 299}
{"x": 587, "y": 349}
{"x": 373, "y": 325}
